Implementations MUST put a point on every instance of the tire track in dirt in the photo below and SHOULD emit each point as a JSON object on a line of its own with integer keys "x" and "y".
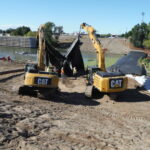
{"x": 10, "y": 76}
{"x": 102, "y": 111}
{"x": 107, "y": 113}
{"x": 127, "y": 116}
{"x": 11, "y": 71}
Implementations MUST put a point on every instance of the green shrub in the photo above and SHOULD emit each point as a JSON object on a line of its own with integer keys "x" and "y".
{"x": 31, "y": 34}
{"x": 146, "y": 63}
{"x": 146, "y": 43}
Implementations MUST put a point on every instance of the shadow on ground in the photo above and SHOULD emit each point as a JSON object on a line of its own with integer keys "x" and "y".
{"x": 133, "y": 95}
{"x": 74, "y": 99}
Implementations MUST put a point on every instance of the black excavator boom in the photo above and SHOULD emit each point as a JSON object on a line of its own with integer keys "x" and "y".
{"x": 72, "y": 60}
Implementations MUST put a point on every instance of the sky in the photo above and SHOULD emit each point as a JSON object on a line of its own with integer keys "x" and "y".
{"x": 106, "y": 16}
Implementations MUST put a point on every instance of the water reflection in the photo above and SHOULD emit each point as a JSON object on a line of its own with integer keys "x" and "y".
{"x": 28, "y": 54}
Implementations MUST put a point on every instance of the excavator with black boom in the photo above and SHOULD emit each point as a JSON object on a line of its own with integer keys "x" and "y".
{"x": 40, "y": 79}
{"x": 37, "y": 78}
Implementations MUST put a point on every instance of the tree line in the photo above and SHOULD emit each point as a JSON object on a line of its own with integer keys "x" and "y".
{"x": 20, "y": 31}
{"x": 26, "y": 31}
{"x": 139, "y": 35}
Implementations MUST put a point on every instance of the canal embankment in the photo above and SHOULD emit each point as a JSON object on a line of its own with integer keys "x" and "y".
{"x": 13, "y": 41}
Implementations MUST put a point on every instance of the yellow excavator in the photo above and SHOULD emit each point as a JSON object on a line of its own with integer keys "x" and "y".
{"x": 38, "y": 77}
{"x": 99, "y": 80}
{"x": 42, "y": 79}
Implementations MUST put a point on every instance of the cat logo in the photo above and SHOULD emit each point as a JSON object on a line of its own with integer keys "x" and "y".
{"x": 42, "y": 81}
{"x": 116, "y": 83}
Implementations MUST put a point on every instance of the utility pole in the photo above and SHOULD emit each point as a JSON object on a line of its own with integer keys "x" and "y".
{"x": 143, "y": 16}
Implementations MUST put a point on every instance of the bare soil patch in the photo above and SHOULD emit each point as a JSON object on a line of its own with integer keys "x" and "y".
{"x": 70, "y": 121}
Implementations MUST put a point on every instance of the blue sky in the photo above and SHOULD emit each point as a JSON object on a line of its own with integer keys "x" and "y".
{"x": 106, "y": 16}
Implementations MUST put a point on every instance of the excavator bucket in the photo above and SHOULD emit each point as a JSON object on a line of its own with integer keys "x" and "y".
{"x": 74, "y": 57}
{"x": 71, "y": 61}
{"x": 53, "y": 56}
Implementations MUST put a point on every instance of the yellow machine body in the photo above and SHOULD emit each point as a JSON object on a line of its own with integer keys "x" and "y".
{"x": 110, "y": 84}
{"x": 41, "y": 80}
{"x": 37, "y": 77}
{"x": 107, "y": 82}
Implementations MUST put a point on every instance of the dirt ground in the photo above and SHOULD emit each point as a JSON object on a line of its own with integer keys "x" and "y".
{"x": 113, "y": 45}
{"x": 69, "y": 121}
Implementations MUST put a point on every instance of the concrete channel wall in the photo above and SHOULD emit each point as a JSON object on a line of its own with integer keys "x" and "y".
{"x": 14, "y": 41}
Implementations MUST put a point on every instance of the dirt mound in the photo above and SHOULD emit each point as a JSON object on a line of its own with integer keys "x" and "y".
{"x": 113, "y": 45}
{"x": 7, "y": 65}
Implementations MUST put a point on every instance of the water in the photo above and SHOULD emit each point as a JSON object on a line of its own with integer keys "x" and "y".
{"x": 19, "y": 54}
{"x": 28, "y": 54}
{"x": 90, "y": 58}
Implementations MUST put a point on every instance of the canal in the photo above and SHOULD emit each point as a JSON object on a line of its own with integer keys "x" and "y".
{"x": 28, "y": 54}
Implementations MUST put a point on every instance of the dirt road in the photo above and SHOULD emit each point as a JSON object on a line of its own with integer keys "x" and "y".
{"x": 69, "y": 121}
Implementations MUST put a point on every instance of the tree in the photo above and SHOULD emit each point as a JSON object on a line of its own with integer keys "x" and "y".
{"x": 146, "y": 42}
{"x": 21, "y": 31}
{"x": 128, "y": 34}
{"x": 10, "y": 30}
{"x": 31, "y": 34}
{"x": 139, "y": 34}
{"x": 49, "y": 28}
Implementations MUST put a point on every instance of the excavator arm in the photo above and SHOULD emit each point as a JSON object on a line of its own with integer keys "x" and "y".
{"x": 99, "y": 80}
{"x": 41, "y": 48}
{"x": 47, "y": 54}
{"x": 96, "y": 44}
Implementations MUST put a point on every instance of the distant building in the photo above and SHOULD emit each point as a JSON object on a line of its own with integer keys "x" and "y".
{"x": 7, "y": 34}
{"x": 4, "y": 34}
{"x": 113, "y": 36}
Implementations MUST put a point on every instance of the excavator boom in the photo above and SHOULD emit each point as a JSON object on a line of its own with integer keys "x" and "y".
{"x": 41, "y": 48}
{"x": 97, "y": 46}
{"x": 98, "y": 79}
{"x": 42, "y": 78}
